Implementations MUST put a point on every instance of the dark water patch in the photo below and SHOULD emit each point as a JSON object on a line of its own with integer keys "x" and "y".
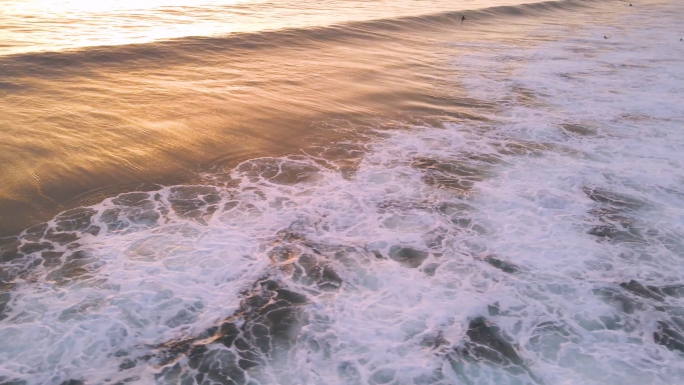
{"x": 12, "y": 382}
{"x": 134, "y": 199}
{"x": 313, "y": 270}
{"x": 454, "y": 208}
{"x": 650, "y": 292}
{"x": 408, "y": 256}
{"x": 617, "y": 212}
{"x": 343, "y": 157}
{"x": 4, "y": 308}
{"x": 430, "y": 269}
{"x": 382, "y": 376}
{"x": 579, "y": 129}
{"x": 78, "y": 266}
{"x": 78, "y": 219}
{"x": 56, "y": 248}
{"x": 349, "y": 371}
{"x": 279, "y": 171}
{"x": 35, "y": 233}
{"x": 10, "y": 87}
{"x": 461, "y": 215}
{"x": 133, "y": 209}
{"x": 550, "y": 337}
{"x": 636, "y": 118}
{"x": 524, "y": 95}
{"x": 128, "y": 380}
{"x": 197, "y": 203}
{"x": 642, "y": 298}
{"x": 128, "y": 364}
{"x": 266, "y": 325}
{"x": 617, "y": 234}
{"x": 72, "y": 382}
{"x": 615, "y": 297}
{"x": 497, "y": 262}
{"x": 486, "y": 344}
{"x": 520, "y": 148}
{"x": 78, "y": 311}
{"x": 306, "y": 262}
{"x": 436, "y": 341}
{"x": 675, "y": 291}
{"x": 34, "y": 247}
{"x": 614, "y": 200}
{"x": 460, "y": 176}
{"x": 386, "y": 206}
{"x": 188, "y": 314}
{"x": 669, "y": 336}
{"x": 55, "y": 245}
{"x": 9, "y": 249}
{"x": 670, "y": 239}
{"x": 61, "y": 238}
{"x": 434, "y": 240}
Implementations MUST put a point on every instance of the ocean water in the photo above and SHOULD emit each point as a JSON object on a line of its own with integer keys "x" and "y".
{"x": 47, "y": 25}
{"x": 381, "y": 200}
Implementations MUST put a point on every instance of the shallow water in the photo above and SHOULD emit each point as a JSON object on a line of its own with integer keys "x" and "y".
{"x": 518, "y": 220}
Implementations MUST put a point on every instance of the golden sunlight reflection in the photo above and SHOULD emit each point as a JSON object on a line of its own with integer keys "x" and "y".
{"x": 107, "y": 6}
{"x": 48, "y": 25}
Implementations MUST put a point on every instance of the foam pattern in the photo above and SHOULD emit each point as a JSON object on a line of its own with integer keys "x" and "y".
{"x": 544, "y": 245}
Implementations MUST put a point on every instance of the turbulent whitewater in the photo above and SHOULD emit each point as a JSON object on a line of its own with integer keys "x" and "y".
{"x": 534, "y": 237}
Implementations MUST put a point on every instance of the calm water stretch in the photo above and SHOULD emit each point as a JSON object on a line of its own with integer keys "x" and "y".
{"x": 341, "y": 192}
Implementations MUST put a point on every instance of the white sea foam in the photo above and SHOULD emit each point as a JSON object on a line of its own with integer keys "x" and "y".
{"x": 538, "y": 220}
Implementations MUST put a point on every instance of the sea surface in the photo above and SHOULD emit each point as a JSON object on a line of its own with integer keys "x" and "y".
{"x": 341, "y": 192}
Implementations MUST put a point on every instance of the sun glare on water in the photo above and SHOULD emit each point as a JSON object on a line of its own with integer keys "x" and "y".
{"x": 107, "y": 5}
{"x": 44, "y": 25}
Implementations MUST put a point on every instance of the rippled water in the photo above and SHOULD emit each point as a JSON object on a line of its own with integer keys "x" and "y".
{"x": 47, "y": 25}
{"x": 518, "y": 219}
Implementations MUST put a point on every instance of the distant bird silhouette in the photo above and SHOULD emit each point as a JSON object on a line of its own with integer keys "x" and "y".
{"x": 605, "y": 37}
{"x": 463, "y": 18}
{"x": 630, "y": 5}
